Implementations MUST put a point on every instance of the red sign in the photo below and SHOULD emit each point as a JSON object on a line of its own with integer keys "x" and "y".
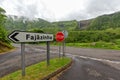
{"x": 59, "y": 37}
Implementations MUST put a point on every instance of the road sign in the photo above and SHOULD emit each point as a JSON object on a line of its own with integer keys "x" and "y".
{"x": 21, "y": 36}
{"x": 60, "y": 36}
{"x": 65, "y": 33}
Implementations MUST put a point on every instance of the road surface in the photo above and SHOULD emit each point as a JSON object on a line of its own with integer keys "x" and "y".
{"x": 88, "y": 69}
{"x": 11, "y": 62}
{"x": 89, "y": 64}
{"x": 93, "y": 64}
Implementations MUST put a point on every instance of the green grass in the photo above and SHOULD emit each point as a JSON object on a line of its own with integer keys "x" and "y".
{"x": 100, "y": 44}
{"x": 115, "y": 45}
{"x": 38, "y": 71}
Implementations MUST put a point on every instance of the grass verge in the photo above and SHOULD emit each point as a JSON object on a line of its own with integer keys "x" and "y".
{"x": 101, "y": 45}
{"x": 38, "y": 71}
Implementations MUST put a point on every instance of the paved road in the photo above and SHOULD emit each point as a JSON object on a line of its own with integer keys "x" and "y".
{"x": 87, "y": 69}
{"x": 89, "y": 64}
{"x": 93, "y": 64}
{"x": 11, "y": 62}
{"x": 95, "y": 53}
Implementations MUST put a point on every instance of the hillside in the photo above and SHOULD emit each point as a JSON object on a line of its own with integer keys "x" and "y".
{"x": 23, "y": 23}
{"x": 67, "y": 25}
{"x": 102, "y": 22}
{"x": 84, "y": 24}
{"x": 99, "y": 23}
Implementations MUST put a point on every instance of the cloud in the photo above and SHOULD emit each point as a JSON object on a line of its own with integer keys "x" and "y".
{"x": 28, "y": 10}
{"x": 1, "y": 1}
{"x": 94, "y": 8}
{"x": 53, "y": 10}
{"x": 31, "y": 9}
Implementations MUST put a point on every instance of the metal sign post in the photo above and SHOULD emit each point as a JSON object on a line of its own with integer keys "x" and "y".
{"x": 23, "y": 58}
{"x": 48, "y": 53}
{"x": 64, "y": 48}
{"x": 65, "y": 35}
{"x": 59, "y": 50}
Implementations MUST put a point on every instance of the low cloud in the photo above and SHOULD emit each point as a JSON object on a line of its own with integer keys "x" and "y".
{"x": 94, "y": 8}
{"x": 31, "y": 9}
{"x": 79, "y": 10}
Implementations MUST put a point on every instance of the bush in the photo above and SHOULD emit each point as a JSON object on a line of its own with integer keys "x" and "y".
{"x": 91, "y": 36}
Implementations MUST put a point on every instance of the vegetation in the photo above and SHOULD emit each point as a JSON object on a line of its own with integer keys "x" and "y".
{"x": 105, "y": 22}
{"x": 104, "y": 28}
{"x": 38, "y": 71}
{"x": 22, "y": 23}
{"x": 2, "y": 29}
{"x": 4, "y": 43}
{"x": 93, "y": 36}
{"x": 100, "y": 23}
{"x": 67, "y": 25}
{"x": 100, "y": 44}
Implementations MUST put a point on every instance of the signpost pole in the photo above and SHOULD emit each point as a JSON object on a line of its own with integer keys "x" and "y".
{"x": 65, "y": 35}
{"x": 48, "y": 53}
{"x": 64, "y": 48}
{"x": 23, "y": 58}
{"x": 59, "y": 50}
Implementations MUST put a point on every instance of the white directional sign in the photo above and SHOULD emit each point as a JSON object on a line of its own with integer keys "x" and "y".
{"x": 21, "y": 36}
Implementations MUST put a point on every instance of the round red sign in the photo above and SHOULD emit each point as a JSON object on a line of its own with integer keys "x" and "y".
{"x": 59, "y": 36}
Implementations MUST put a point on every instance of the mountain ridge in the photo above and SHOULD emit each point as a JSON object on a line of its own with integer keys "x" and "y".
{"x": 99, "y": 23}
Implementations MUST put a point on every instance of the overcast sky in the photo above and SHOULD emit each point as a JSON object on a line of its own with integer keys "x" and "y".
{"x": 57, "y": 10}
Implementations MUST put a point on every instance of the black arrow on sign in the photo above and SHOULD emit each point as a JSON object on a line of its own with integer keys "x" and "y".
{"x": 13, "y": 35}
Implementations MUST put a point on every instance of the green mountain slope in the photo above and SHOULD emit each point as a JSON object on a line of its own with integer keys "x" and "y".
{"x": 67, "y": 25}
{"x": 102, "y": 22}
{"x": 22, "y": 23}
{"x": 99, "y": 23}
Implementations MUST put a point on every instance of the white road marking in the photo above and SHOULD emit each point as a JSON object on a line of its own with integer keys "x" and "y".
{"x": 86, "y": 57}
{"x": 97, "y": 59}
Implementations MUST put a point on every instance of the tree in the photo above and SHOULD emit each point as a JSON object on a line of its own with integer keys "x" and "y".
{"x": 2, "y": 16}
{"x": 3, "y": 32}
